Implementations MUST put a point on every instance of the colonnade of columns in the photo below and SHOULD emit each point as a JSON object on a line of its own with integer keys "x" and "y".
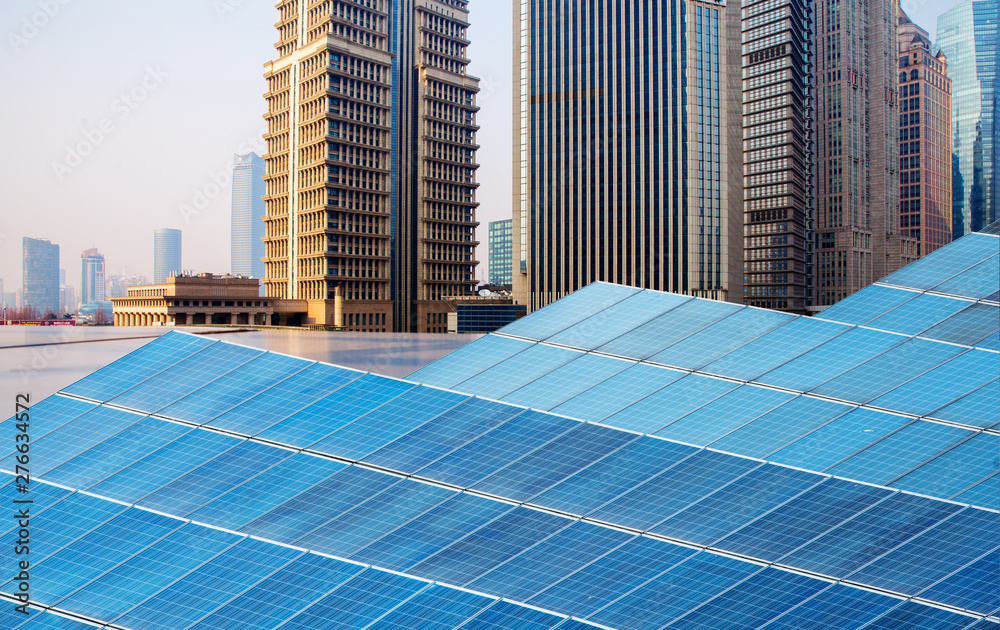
{"x": 185, "y": 319}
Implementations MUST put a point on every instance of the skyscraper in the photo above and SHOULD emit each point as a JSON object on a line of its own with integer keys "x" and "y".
{"x": 967, "y": 35}
{"x": 626, "y": 148}
{"x": 501, "y": 242}
{"x": 166, "y": 254}
{"x": 40, "y": 275}
{"x": 247, "y": 246}
{"x": 858, "y": 224}
{"x": 924, "y": 139}
{"x": 93, "y": 287}
{"x": 779, "y": 149}
{"x": 371, "y": 161}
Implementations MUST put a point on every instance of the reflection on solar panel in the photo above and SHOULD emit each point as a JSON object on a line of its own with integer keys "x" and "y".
{"x": 703, "y": 465}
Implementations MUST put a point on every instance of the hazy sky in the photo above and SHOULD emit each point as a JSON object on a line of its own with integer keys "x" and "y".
{"x": 121, "y": 116}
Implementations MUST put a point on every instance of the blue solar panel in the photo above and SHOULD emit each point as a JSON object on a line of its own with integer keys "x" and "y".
{"x": 518, "y": 371}
{"x": 564, "y": 382}
{"x": 775, "y": 430}
{"x": 867, "y": 304}
{"x": 469, "y": 360}
{"x": 900, "y": 453}
{"x": 52, "y": 621}
{"x": 284, "y": 399}
{"x": 981, "y": 408}
{"x": 943, "y": 385}
{"x": 48, "y": 415}
{"x": 984, "y": 494}
{"x": 990, "y": 343}
{"x": 913, "y": 616}
{"x": 724, "y": 414}
{"x": 955, "y": 470}
{"x": 837, "y": 608}
{"x": 721, "y": 338}
{"x": 618, "y": 319}
{"x": 678, "y": 399}
{"x": 839, "y": 439}
{"x": 967, "y": 327}
{"x": 977, "y": 283}
{"x": 389, "y": 422}
{"x": 973, "y": 588}
{"x": 618, "y": 392}
{"x": 669, "y": 328}
{"x": 138, "y": 365}
{"x": 919, "y": 314}
{"x": 946, "y": 262}
{"x": 888, "y": 371}
{"x": 436, "y": 608}
{"x": 504, "y": 615}
{"x": 576, "y": 307}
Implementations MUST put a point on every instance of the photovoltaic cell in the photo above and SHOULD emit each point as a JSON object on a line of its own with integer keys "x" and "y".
{"x": 234, "y": 388}
{"x": 752, "y": 603}
{"x": 284, "y": 399}
{"x": 867, "y": 304}
{"x": 517, "y": 371}
{"x": 618, "y": 319}
{"x": 673, "y": 490}
{"x": 501, "y": 540}
{"x": 934, "y": 554}
{"x": 913, "y": 616}
{"x": 721, "y": 338}
{"x": 776, "y": 429}
{"x": 618, "y": 392}
{"x": 900, "y": 453}
{"x": 469, "y": 360}
{"x": 978, "y": 282}
{"x": 138, "y": 365}
{"x": 944, "y": 263}
{"x": 724, "y": 414}
{"x": 984, "y": 494}
{"x": 48, "y": 415}
{"x": 839, "y": 439}
{"x": 574, "y": 308}
{"x": 567, "y": 381}
{"x": 990, "y": 343}
{"x": 803, "y": 518}
{"x": 613, "y": 476}
{"x": 554, "y": 462}
{"x": 443, "y": 434}
{"x": 860, "y": 540}
{"x": 830, "y": 359}
{"x": 678, "y": 399}
{"x": 148, "y": 572}
{"x": 919, "y": 314}
{"x": 504, "y": 616}
{"x": 985, "y": 624}
{"x": 267, "y": 491}
{"x": 775, "y": 348}
{"x": 121, "y": 450}
{"x": 343, "y": 406}
{"x": 837, "y": 608}
{"x": 944, "y": 384}
{"x": 550, "y": 560}
{"x": 51, "y": 621}
{"x": 955, "y": 470}
{"x": 967, "y": 327}
{"x": 737, "y": 504}
{"x": 981, "y": 408}
{"x": 498, "y": 448}
{"x": 681, "y": 589}
{"x": 437, "y": 608}
{"x": 389, "y": 422}
{"x": 888, "y": 371}
{"x": 179, "y": 380}
{"x": 669, "y": 328}
{"x": 608, "y": 578}
{"x": 973, "y": 588}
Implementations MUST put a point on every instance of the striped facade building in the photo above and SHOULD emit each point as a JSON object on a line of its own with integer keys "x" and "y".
{"x": 626, "y": 148}
{"x": 371, "y": 161}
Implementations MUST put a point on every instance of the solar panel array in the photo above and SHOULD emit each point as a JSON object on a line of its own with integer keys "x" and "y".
{"x": 200, "y": 484}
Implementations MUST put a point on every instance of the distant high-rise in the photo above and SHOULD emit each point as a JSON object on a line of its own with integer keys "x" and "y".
{"x": 247, "y": 247}
{"x": 924, "y": 139}
{"x": 857, "y": 157}
{"x": 501, "y": 243}
{"x": 779, "y": 152}
{"x": 371, "y": 161}
{"x": 118, "y": 284}
{"x": 967, "y": 35}
{"x": 166, "y": 254}
{"x": 41, "y": 275}
{"x": 92, "y": 286}
{"x": 627, "y": 155}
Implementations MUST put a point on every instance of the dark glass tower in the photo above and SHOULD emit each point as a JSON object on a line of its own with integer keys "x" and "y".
{"x": 40, "y": 275}
{"x": 247, "y": 245}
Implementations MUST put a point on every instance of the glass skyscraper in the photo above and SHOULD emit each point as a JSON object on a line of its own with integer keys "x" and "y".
{"x": 166, "y": 254}
{"x": 967, "y": 35}
{"x": 247, "y": 246}
{"x": 627, "y": 147}
{"x": 501, "y": 243}
{"x": 93, "y": 286}
{"x": 41, "y": 275}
